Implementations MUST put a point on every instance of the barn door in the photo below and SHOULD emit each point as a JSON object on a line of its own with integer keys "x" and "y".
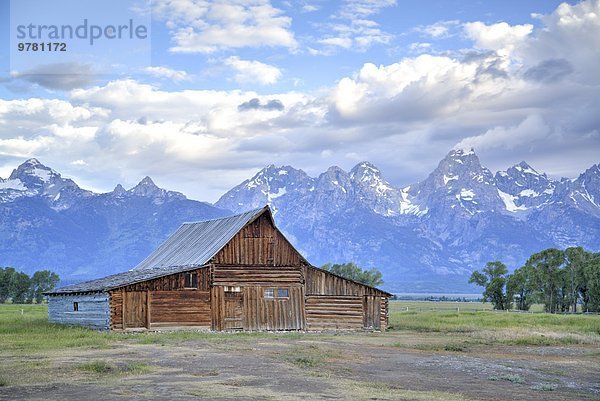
{"x": 135, "y": 305}
{"x": 234, "y": 309}
{"x": 372, "y": 312}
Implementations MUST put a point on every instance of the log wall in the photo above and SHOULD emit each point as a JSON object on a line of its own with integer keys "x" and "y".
{"x": 162, "y": 302}
{"x": 93, "y": 310}
{"x": 257, "y": 275}
{"x": 319, "y": 282}
{"x": 180, "y": 308}
{"x": 325, "y": 312}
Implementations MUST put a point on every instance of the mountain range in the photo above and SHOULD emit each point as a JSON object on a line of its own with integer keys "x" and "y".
{"x": 428, "y": 236}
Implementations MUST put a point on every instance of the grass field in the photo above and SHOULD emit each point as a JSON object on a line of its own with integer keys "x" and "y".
{"x": 493, "y": 355}
{"x": 447, "y": 306}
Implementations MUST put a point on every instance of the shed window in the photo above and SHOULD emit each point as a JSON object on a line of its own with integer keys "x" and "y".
{"x": 75, "y": 306}
{"x": 191, "y": 280}
{"x": 276, "y": 293}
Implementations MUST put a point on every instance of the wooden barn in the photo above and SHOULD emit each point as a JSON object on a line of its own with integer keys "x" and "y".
{"x": 233, "y": 273}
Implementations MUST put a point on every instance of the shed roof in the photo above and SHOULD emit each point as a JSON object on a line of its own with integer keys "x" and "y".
{"x": 118, "y": 280}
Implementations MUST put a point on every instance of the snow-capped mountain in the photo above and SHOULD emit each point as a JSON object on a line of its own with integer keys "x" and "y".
{"x": 458, "y": 218}
{"x": 34, "y": 179}
{"x": 426, "y": 236}
{"x": 47, "y": 221}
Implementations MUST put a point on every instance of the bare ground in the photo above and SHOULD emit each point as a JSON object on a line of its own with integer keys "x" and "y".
{"x": 377, "y": 366}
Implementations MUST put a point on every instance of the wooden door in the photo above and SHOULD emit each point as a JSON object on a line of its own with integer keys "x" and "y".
{"x": 372, "y": 312}
{"x": 234, "y": 311}
{"x": 135, "y": 309}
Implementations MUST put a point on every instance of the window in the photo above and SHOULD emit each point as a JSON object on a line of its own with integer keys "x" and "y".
{"x": 190, "y": 280}
{"x": 276, "y": 293}
{"x": 232, "y": 289}
{"x": 75, "y": 306}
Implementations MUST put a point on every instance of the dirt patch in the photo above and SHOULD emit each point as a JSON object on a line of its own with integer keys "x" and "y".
{"x": 386, "y": 366}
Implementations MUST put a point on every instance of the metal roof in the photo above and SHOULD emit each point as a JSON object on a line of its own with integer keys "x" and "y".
{"x": 194, "y": 244}
{"x": 191, "y": 246}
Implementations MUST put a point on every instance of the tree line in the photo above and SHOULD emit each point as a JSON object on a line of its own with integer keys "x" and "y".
{"x": 372, "y": 277}
{"x": 20, "y": 288}
{"x": 560, "y": 280}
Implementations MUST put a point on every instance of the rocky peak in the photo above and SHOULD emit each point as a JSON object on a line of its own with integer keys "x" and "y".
{"x": 119, "y": 190}
{"x": 34, "y": 173}
{"x": 147, "y": 187}
{"x": 369, "y": 177}
{"x": 334, "y": 178}
{"x": 585, "y": 190}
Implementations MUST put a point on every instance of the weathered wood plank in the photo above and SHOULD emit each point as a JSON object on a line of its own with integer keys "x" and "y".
{"x": 93, "y": 310}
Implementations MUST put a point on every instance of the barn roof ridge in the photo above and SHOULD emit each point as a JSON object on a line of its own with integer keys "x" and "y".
{"x": 251, "y": 211}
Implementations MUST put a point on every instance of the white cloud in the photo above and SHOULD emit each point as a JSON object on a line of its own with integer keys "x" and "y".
{"x": 166, "y": 72}
{"x": 499, "y": 37}
{"x": 357, "y": 31}
{"x": 354, "y": 9}
{"x": 207, "y": 26}
{"x": 346, "y": 43}
{"x": 527, "y": 131}
{"x": 252, "y": 71}
{"x": 439, "y": 30}
{"x": 309, "y": 8}
{"x": 517, "y": 94}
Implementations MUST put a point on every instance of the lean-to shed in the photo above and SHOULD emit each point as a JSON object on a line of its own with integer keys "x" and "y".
{"x": 233, "y": 273}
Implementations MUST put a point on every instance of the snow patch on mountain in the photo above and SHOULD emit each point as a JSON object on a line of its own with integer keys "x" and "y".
{"x": 509, "y": 202}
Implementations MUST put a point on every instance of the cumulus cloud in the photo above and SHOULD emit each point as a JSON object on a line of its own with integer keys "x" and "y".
{"x": 500, "y": 37}
{"x": 169, "y": 73}
{"x": 199, "y": 26}
{"x": 519, "y": 92}
{"x": 252, "y": 71}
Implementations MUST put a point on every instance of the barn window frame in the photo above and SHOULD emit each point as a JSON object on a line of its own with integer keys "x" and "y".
{"x": 190, "y": 280}
{"x": 75, "y": 306}
{"x": 276, "y": 293}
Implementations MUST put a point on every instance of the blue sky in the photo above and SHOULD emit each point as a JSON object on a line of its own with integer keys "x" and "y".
{"x": 232, "y": 86}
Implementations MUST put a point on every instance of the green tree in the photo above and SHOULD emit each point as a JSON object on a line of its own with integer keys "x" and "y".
{"x": 42, "y": 281}
{"x": 6, "y": 278}
{"x": 372, "y": 277}
{"x": 493, "y": 279}
{"x": 518, "y": 287}
{"x": 591, "y": 288}
{"x": 19, "y": 287}
{"x": 547, "y": 277}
